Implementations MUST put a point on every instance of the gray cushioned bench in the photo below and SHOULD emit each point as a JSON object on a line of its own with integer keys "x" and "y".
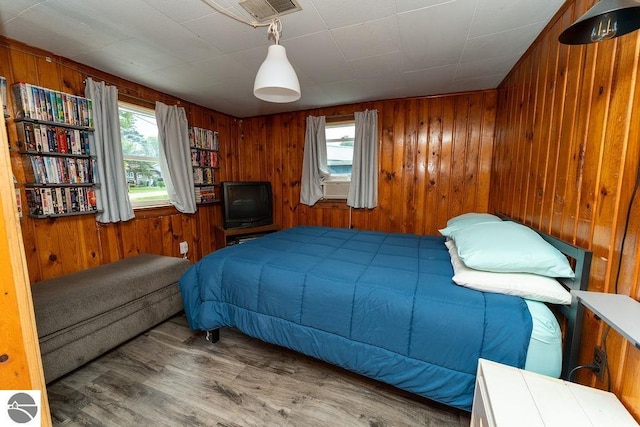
{"x": 81, "y": 315}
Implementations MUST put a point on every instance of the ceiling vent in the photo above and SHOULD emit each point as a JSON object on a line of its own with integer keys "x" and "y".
{"x": 265, "y": 10}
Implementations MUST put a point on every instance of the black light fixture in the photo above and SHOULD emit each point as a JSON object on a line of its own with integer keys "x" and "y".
{"x": 605, "y": 20}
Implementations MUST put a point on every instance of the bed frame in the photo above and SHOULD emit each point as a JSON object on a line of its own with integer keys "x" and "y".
{"x": 573, "y": 313}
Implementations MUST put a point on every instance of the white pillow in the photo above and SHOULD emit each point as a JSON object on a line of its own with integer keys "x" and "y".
{"x": 525, "y": 285}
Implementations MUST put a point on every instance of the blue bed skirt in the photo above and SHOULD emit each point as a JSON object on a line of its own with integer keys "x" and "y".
{"x": 378, "y": 304}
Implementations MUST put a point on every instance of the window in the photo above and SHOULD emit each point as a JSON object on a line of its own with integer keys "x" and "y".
{"x": 139, "y": 137}
{"x": 339, "y": 137}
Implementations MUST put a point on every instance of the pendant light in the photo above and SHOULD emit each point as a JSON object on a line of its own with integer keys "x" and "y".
{"x": 276, "y": 80}
{"x": 605, "y": 20}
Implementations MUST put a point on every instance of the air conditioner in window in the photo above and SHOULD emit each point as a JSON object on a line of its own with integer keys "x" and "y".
{"x": 335, "y": 189}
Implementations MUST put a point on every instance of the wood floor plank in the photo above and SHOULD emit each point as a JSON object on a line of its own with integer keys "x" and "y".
{"x": 171, "y": 376}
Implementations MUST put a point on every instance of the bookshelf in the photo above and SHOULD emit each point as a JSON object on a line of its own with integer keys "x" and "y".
{"x": 3, "y": 96}
{"x": 5, "y": 113}
{"x": 52, "y": 131}
{"x": 205, "y": 161}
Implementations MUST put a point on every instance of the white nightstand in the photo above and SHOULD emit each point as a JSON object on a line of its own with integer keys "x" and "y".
{"x": 507, "y": 396}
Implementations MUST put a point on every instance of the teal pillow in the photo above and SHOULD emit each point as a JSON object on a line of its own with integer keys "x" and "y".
{"x": 509, "y": 247}
{"x": 465, "y": 220}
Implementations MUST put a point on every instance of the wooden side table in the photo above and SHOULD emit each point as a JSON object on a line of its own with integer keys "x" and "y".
{"x": 225, "y": 236}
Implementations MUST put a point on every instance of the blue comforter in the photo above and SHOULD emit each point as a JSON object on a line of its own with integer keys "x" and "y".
{"x": 382, "y": 305}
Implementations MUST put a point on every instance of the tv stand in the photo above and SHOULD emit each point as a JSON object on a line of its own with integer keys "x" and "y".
{"x": 226, "y": 237}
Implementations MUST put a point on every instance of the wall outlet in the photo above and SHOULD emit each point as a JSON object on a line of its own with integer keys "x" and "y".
{"x": 184, "y": 248}
{"x": 600, "y": 360}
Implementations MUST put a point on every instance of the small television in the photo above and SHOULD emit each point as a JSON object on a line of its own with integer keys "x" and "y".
{"x": 246, "y": 204}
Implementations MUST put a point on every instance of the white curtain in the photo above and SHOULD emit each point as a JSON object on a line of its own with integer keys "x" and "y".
{"x": 175, "y": 156}
{"x": 112, "y": 196}
{"x": 314, "y": 162}
{"x": 363, "y": 190}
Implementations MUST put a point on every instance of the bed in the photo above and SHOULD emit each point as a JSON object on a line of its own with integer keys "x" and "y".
{"x": 383, "y": 305}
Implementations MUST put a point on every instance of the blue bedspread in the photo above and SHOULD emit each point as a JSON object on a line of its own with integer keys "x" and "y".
{"x": 382, "y": 305}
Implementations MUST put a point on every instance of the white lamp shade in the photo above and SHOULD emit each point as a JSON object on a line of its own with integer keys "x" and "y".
{"x": 276, "y": 80}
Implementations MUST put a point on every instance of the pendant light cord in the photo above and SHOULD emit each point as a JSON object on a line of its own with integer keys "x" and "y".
{"x": 275, "y": 28}
{"x": 605, "y": 364}
{"x": 626, "y": 228}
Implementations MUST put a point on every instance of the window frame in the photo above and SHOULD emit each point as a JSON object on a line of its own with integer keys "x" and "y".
{"x": 163, "y": 202}
{"x": 339, "y": 123}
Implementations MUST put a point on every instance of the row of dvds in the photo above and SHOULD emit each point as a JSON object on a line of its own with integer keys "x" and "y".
{"x": 204, "y": 158}
{"x": 38, "y": 103}
{"x": 3, "y": 95}
{"x": 206, "y": 194}
{"x": 60, "y": 200}
{"x": 48, "y": 138}
{"x": 203, "y": 176}
{"x": 59, "y": 170}
{"x": 203, "y": 138}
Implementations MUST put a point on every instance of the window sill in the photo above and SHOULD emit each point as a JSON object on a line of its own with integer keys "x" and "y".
{"x": 338, "y": 178}
{"x": 150, "y": 204}
{"x": 142, "y": 212}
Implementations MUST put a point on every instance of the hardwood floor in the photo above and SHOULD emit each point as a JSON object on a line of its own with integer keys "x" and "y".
{"x": 172, "y": 376}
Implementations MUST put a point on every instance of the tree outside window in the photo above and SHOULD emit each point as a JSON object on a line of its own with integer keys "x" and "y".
{"x": 139, "y": 137}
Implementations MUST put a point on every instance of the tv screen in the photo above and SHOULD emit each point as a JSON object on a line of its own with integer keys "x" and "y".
{"x": 246, "y": 204}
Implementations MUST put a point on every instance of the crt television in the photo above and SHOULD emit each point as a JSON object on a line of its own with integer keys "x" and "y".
{"x": 246, "y": 204}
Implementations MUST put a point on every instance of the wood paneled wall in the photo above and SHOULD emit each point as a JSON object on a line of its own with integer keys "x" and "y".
{"x": 20, "y": 363}
{"x": 68, "y": 244}
{"x": 566, "y": 156}
{"x": 434, "y": 162}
